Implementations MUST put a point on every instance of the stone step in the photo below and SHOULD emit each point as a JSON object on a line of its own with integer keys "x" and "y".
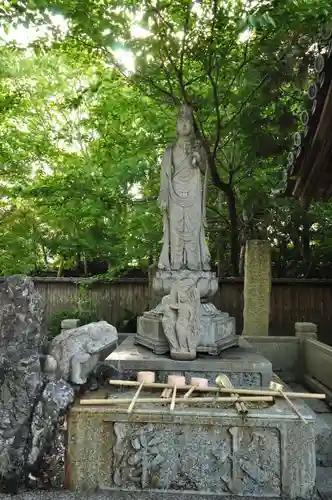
{"x": 324, "y": 483}
{"x": 324, "y": 439}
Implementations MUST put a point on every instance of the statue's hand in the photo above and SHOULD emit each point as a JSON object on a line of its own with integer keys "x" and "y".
{"x": 196, "y": 158}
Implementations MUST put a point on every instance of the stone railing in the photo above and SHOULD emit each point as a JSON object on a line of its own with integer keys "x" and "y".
{"x": 283, "y": 352}
{"x": 318, "y": 365}
{"x": 287, "y": 354}
{"x": 302, "y": 357}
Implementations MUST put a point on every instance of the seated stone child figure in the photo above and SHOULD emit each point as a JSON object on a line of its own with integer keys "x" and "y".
{"x": 181, "y": 320}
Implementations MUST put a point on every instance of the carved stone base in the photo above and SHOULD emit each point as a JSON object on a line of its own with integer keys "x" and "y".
{"x": 150, "y": 333}
{"x": 217, "y": 331}
{"x": 183, "y": 356}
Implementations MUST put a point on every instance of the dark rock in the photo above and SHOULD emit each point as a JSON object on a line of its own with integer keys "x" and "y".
{"x": 56, "y": 397}
{"x": 33, "y": 399}
{"x": 22, "y": 330}
{"x": 22, "y": 339}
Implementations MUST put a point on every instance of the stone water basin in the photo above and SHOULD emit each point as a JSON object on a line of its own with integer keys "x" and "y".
{"x": 207, "y": 452}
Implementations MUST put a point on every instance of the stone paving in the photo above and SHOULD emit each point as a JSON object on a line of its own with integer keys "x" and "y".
{"x": 62, "y": 495}
{"x": 325, "y": 493}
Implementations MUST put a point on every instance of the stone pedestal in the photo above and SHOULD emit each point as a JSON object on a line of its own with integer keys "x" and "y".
{"x": 217, "y": 328}
{"x": 206, "y": 281}
{"x": 257, "y": 288}
{"x": 217, "y": 331}
{"x": 243, "y": 365}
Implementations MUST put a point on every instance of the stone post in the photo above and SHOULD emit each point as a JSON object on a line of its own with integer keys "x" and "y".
{"x": 306, "y": 331}
{"x": 257, "y": 288}
{"x": 68, "y": 324}
{"x": 303, "y": 331}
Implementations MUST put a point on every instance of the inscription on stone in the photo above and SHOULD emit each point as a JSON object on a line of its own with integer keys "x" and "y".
{"x": 203, "y": 458}
{"x": 246, "y": 379}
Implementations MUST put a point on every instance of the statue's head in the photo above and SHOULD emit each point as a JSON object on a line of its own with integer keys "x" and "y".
{"x": 186, "y": 289}
{"x": 185, "y": 123}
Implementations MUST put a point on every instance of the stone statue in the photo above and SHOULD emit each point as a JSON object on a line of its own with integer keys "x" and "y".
{"x": 183, "y": 200}
{"x": 181, "y": 319}
{"x": 185, "y": 321}
{"x": 76, "y": 352}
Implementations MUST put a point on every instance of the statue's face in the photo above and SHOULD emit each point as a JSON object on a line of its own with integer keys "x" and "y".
{"x": 184, "y": 126}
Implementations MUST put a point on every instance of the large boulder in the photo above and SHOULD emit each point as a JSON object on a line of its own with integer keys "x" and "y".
{"x": 78, "y": 351}
{"x": 34, "y": 394}
{"x": 22, "y": 331}
{"x": 22, "y": 341}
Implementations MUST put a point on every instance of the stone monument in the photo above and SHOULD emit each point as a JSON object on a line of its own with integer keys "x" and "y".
{"x": 202, "y": 451}
{"x": 185, "y": 322}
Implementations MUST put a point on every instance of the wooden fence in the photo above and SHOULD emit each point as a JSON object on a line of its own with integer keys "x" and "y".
{"x": 291, "y": 300}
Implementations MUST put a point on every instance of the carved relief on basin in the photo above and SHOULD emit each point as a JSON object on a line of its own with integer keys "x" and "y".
{"x": 230, "y": 460}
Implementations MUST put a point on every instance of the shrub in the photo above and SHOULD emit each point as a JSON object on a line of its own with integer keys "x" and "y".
{"x": 53, "y": 323}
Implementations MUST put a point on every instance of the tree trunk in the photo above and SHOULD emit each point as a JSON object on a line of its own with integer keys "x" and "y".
{"x": 234, "y": 233}
{"x": 78, "y": 261}
{"x": 85, "y": 263}
{"x": 44, "y": 252}
{"x": 226, "y": 188}
{"x": 61, "y": 267}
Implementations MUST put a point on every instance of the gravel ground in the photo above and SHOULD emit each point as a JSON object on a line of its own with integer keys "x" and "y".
{"x": 63, "y": 495}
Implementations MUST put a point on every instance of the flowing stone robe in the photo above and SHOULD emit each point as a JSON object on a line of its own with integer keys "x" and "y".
{"x": 181, "y": 194}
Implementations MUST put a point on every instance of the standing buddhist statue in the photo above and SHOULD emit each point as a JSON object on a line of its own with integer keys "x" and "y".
{"x": 182, "y": 199}
{"x": 185, "y": 322}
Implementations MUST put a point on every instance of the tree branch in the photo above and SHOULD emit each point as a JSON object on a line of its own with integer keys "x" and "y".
{"x": 240, "y": 68}
{"x": 178, "y": 73}
{"x": 169, "y": 81}
{"x": 193, "y": 80}
{"x": 159, "y": 14}
{"x": 246, "y": 100}
{"x": 214, "y": 84}
{"x": 218, "y": 117}
{"x": 178, "y": 70}
{"x": 185, "y": 33}
{"x": 252, "y": 93}
{"x": 218, "y": 183}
